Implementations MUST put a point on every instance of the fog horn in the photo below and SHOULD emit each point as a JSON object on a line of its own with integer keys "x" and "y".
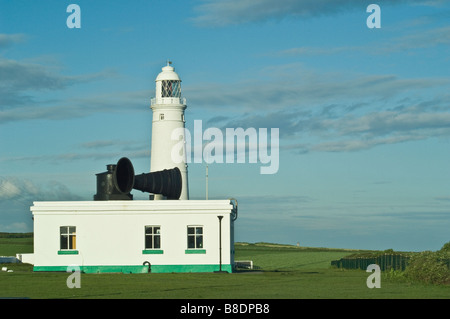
{"x": 118, "y": 181}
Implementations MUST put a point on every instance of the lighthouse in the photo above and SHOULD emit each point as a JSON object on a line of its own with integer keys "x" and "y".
{"x": 158, "y": 236}
{"x": 168, "y": 115}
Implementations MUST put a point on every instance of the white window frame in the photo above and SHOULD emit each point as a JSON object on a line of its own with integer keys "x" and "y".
{"x": 152, "y": 235}
{"x": 196, "y": 235}
{"x": 71, "y": 237}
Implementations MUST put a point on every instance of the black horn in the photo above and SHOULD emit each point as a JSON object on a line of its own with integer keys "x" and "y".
{"x": 119, "y": 180}
{"x": 166, "y": 182}
{"x": 123, "y": 177}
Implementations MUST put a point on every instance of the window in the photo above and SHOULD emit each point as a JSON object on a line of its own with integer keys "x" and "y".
{"x": 161, "y": 117}
{"x": 195, "y": 237}
{"x": 152, "y": 237}
{"x": 171, "y": 88}
{"x": 68, "y": 238}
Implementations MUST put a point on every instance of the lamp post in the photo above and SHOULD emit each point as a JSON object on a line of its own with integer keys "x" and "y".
{"x": 220, "y": 244}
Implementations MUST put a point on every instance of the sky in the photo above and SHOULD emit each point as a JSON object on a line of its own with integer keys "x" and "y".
{"x": 363, "y": 113}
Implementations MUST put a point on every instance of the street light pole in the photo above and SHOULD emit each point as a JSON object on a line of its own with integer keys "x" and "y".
{"x": 220, "y": 244}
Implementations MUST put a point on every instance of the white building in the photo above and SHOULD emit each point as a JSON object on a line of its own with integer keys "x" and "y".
{"x": 131, "y": 236}
{"x": 110, "y": 235}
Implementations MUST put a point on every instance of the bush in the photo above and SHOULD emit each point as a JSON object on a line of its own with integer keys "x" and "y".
{"x": 430, "y": 267}
{"x": 445, "y": 248}
{"x": 395, "y": 275}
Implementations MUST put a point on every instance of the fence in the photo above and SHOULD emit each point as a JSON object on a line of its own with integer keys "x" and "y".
{"x": 385, "y": 261}
{"x": 8, "y": 260}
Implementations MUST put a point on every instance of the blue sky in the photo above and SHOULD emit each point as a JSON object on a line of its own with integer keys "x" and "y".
{"x": 363, "y": 113}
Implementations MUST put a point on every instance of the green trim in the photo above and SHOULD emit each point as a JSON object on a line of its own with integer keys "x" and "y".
{"x": 189, "y": 268}
{"x": 153, "y": 251}
{"x": 140, "y": 269}
{"x": 97, "y": 269}
{"x": 50, "y": 268}
{"x": 195, "y": 251}
{"x": 67, "y": 252}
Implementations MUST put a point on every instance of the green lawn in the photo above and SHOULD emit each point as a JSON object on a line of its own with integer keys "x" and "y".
{"x": 276, "y": 257}
{"x": 11, "y": 246}
{"x": 286, "y": 272}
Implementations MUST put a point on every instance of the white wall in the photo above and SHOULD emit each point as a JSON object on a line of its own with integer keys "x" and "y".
{"x": 112, "y": 232}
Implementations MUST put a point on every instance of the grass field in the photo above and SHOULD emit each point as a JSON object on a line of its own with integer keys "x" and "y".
{"x": 284, "y": 272}
{"x": 12, "y": 246}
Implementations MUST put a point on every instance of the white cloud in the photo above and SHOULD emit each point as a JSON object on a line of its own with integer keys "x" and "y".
{"x": 21, "y": 84}
{"x": 230, "y": 12}
{"x": 361, "y": 144}
{"x": 355, "y": 113}
{"x": 7, "y": 40}
{"x": 293, "y": 85}
{"x": 317, "y": 51}
{"x": 8, "y": 189}
{"x": 23, "y": 190}
{"x": 418, "y": 39}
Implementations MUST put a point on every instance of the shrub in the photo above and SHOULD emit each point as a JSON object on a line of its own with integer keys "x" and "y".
{"x": 395, "y": 275}
{"x": 445, "y": 248}
{"x": 430, "y": 267}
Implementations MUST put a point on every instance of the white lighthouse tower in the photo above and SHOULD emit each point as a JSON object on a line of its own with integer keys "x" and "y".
{"x": 168, "y": 115}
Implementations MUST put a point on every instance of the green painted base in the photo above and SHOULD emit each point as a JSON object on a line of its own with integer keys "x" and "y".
{"x": 139, "y": 269}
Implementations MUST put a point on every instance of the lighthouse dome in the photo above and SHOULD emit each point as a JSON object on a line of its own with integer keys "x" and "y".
{"x": 168, "y": 88}
{"x": 168, "y": 73}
